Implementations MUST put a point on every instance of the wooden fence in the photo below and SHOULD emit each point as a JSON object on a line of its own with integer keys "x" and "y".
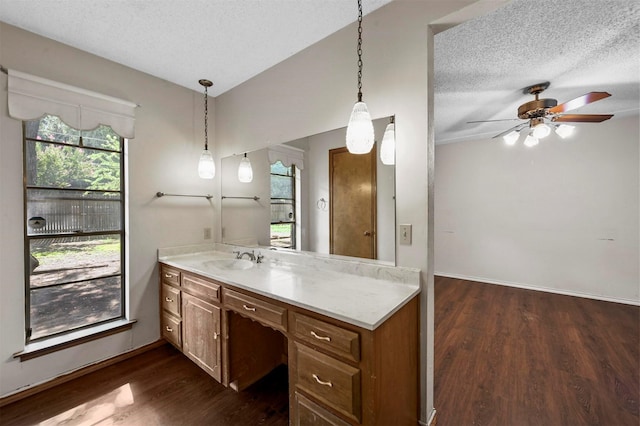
{"x": 66, "y": 215}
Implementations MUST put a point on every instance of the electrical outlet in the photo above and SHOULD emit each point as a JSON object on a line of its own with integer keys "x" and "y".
{"x": 207, "y": 233}
{"x": 405, "y": 234}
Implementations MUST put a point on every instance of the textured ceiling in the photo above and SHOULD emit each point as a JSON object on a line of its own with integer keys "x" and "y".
{"x": 226, "y": 41}
{"x": 482, "y": 65}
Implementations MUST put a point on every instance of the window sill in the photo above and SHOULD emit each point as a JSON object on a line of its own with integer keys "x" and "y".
{"x": 54, "y": 344}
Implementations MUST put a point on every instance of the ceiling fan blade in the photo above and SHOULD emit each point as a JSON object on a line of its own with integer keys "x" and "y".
{"x": 516, "y": 128}
{"x": 579, "y": 102}
{"x": 582, "y": 118}
{"x": 490, "y": 121}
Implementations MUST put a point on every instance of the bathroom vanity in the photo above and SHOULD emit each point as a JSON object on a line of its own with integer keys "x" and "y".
{"x": 347, "y": 330}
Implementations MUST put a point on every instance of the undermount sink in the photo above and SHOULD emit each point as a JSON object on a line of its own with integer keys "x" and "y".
{"x": 232, "y": 264}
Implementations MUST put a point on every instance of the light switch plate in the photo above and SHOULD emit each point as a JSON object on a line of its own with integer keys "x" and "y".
{"x": 405, "y": 234}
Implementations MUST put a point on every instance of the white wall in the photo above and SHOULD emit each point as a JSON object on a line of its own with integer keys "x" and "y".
{"x": 162, "y": 157}
{"x": 315, "y": 90}
{"x": 562, "y": 216}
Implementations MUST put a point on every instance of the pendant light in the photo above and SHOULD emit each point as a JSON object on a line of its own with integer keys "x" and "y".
{"x": 206, "y": 165}
{"x": 388, "y": 145}
{"x": 245, "y": 172}
{"x": 360, "y": 138}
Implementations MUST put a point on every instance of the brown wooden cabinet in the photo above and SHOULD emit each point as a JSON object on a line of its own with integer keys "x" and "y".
{"x": 191, "y": 317}
{"x": 201, "y": 340}
{"x": 339, "y": 374}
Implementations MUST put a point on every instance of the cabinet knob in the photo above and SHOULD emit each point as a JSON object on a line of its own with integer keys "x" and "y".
{"x": 323, "y": 383}
{"x": 367, "y": 233}
{"x": 325, "y": 338}
{"x": 215, "y": 336}
{"x": 169, "y": 329}
{"x": 168, "y": 299}
{"x": 249, "y": 308}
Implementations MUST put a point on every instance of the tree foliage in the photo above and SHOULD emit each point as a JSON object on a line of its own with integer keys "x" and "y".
{"x": 69, "y": 165}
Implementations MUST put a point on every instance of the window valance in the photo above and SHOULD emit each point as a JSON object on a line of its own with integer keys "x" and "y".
{"x": 31, "y": 97}
{"x": 288, "y": 155}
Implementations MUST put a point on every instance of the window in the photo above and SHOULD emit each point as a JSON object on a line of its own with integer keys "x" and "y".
{"x": 283, "y": 205}
{"x": 74, "y": 228}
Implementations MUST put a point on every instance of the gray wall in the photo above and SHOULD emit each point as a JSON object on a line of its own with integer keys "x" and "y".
{"x": 561, "y": 216}
{"x": 162, "y": 157}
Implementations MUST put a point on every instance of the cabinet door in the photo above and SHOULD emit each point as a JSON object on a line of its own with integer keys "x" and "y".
{"x": 201, "y": 340}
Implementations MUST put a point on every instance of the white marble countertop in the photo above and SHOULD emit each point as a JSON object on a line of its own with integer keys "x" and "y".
{"x": 358, "y": 293}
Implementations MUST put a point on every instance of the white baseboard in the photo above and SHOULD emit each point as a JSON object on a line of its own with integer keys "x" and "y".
{"x": 540, "y": 288}
{"x": 431, "y": 421}
{"x": 432, "y": 418}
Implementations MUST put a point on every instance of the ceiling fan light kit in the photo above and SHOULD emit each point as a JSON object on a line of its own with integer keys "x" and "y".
{"x": 543, "y": 114}
{"x": 565, "y": 130}
{"x": 531, "y": 141}
{"x": 511, "y": 138}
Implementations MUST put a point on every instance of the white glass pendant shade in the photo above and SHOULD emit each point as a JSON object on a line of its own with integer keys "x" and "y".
{"x": 360, "y": 137}
{"x": 206, "y": 165}
{"x": 565, "y": 130}
{"x": 245, "y": 172}
{"x": 511, "y": 138}
{"x": 541, "y": 131}
{"x": 388, "y": 145}
{"x": 531, "y": 141}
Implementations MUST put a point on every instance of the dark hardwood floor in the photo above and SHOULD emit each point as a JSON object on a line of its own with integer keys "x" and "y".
{"x": 503, "y": 357}
{"x": 507, "y": 356}
{"x": 158, "y": 387}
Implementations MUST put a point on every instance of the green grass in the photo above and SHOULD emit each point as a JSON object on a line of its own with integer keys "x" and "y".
{"x": 280, "y": 228}
{"x": 56, "y": 251}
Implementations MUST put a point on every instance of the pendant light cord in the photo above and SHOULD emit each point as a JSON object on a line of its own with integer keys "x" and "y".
{"x": 206, "y": 113}
{"x": 359, "y": 50}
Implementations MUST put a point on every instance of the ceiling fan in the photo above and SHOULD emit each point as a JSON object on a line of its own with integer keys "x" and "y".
{"x": 541, "y": 116}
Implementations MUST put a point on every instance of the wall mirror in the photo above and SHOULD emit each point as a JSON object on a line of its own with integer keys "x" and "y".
{"x": 312, "y": 195}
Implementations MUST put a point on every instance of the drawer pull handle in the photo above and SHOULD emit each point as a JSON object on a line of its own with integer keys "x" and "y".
{"x": 169, "y": 329}
{"x": 168, "y": 299}
{"x": 249, "y": 308}
{"x": 215, "y": 336}
{"x": 326, "y": 338}
{"x": 322, "y": 382}
{"x": 168, "y": 275}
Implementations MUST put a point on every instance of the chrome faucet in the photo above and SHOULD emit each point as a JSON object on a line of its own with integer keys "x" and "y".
{"x": 251, "y": 255}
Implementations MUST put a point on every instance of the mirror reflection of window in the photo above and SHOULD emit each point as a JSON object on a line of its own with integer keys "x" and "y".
{"x": 283, "y": 206}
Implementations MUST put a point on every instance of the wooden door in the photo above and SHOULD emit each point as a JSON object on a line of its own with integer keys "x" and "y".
{"x": 201, "y": 340}
{"x": 352, "y": 211}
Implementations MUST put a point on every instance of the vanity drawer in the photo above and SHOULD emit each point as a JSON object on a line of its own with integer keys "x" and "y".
{"x": 170, "y": 275}
{"x": 337, "y": 340}
{"x": 200, "y": 287}
{"x": 268, "y": 314}
{"x": 171, "y": 299}
{"x": 332, "y": 382}
{"x": 308, "y": 413}
{"x": 171, "y": 330}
